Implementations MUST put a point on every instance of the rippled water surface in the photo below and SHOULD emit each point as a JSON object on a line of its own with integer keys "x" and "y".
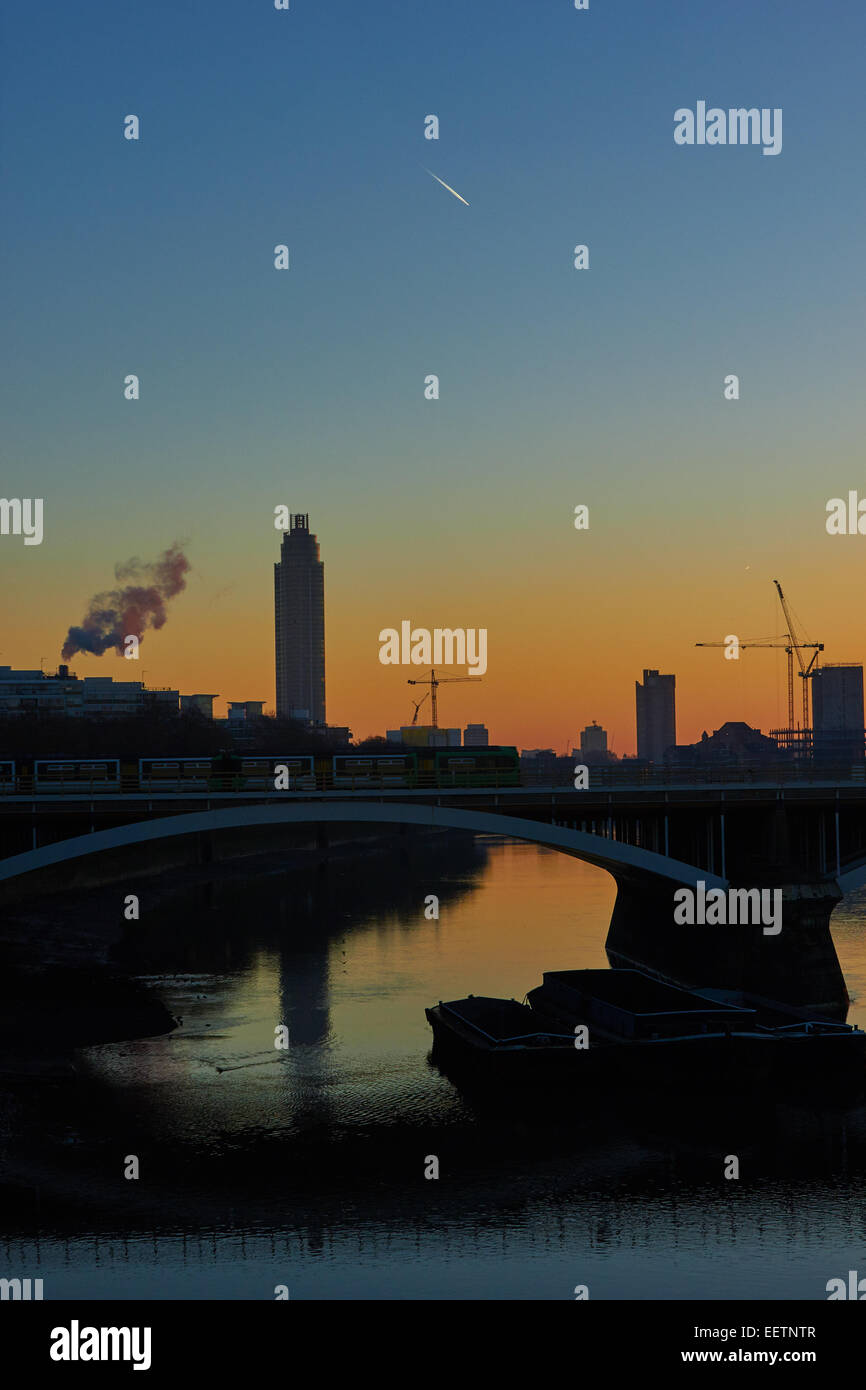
{"x": 305, "y": 1167}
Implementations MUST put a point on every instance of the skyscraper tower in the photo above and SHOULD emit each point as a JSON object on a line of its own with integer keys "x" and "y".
{"x": 299, "y": 625}
{"x": 656, "y": 715}
{"x": 837, "y": 713}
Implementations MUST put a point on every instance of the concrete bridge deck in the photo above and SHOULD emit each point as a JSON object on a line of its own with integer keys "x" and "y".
{"x": 806, "y": 838}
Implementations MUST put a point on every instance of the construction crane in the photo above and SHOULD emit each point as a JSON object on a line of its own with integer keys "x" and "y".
{"x": 434, "y": 682}
{"x": 418, "y": 704}
{"x": 806, "y": 672}
{"x": 790, "y": 645}
{"x": 783, "y": 646}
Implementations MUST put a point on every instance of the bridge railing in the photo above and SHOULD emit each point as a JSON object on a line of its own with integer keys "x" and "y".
{"x": 613, "y": 775}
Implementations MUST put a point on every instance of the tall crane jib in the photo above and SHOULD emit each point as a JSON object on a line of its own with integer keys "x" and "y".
{"x": 791, "y": 645}
{"x": 434, "y": 683}
{"x": 806, "y": 671}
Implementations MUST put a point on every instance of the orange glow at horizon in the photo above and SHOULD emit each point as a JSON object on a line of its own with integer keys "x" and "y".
{"x": 570, "y": 629}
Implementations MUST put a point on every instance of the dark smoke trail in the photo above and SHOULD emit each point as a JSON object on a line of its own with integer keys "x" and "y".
{"x": 132, "y": 609}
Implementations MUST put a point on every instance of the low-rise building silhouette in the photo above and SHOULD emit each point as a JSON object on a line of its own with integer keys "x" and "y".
{"x": 735, "y": 744}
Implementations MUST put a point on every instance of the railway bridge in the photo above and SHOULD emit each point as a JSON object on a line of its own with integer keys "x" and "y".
{"x": 805, "y": 837}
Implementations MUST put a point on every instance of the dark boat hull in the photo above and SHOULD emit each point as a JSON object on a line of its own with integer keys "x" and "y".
{"x": 457, "y": 1049}
{"x": 749, "y": 1059}
{"x": 474, "y": 1037}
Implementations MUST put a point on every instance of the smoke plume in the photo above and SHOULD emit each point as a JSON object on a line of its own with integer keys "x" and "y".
{"x": 132, "y": 609}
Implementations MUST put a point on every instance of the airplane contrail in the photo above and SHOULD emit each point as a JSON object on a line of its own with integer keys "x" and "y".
{"x": 443, "y": 183}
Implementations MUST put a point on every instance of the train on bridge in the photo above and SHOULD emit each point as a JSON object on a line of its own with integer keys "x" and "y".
{"x": 227, "y": 772}
{"x": 401, "y": 767}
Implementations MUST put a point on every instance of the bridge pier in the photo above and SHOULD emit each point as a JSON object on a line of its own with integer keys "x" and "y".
{"x": 798, "y": 967}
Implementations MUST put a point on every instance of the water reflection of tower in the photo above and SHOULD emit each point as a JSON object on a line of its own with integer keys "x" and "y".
{"x": 304, "y": 973}
{"x": 352, "y": 896}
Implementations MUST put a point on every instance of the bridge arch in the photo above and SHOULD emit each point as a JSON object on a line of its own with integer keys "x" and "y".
{"x": 612, "y": 855}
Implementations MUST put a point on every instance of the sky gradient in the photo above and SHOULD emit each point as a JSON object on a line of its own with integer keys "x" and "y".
{"x": 558, "y": 386}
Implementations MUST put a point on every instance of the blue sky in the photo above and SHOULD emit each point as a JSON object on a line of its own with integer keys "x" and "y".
{"x": 306, "y": 127}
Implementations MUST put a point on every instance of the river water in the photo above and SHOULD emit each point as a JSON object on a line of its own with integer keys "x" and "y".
{"x": 262, "y": 1167}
